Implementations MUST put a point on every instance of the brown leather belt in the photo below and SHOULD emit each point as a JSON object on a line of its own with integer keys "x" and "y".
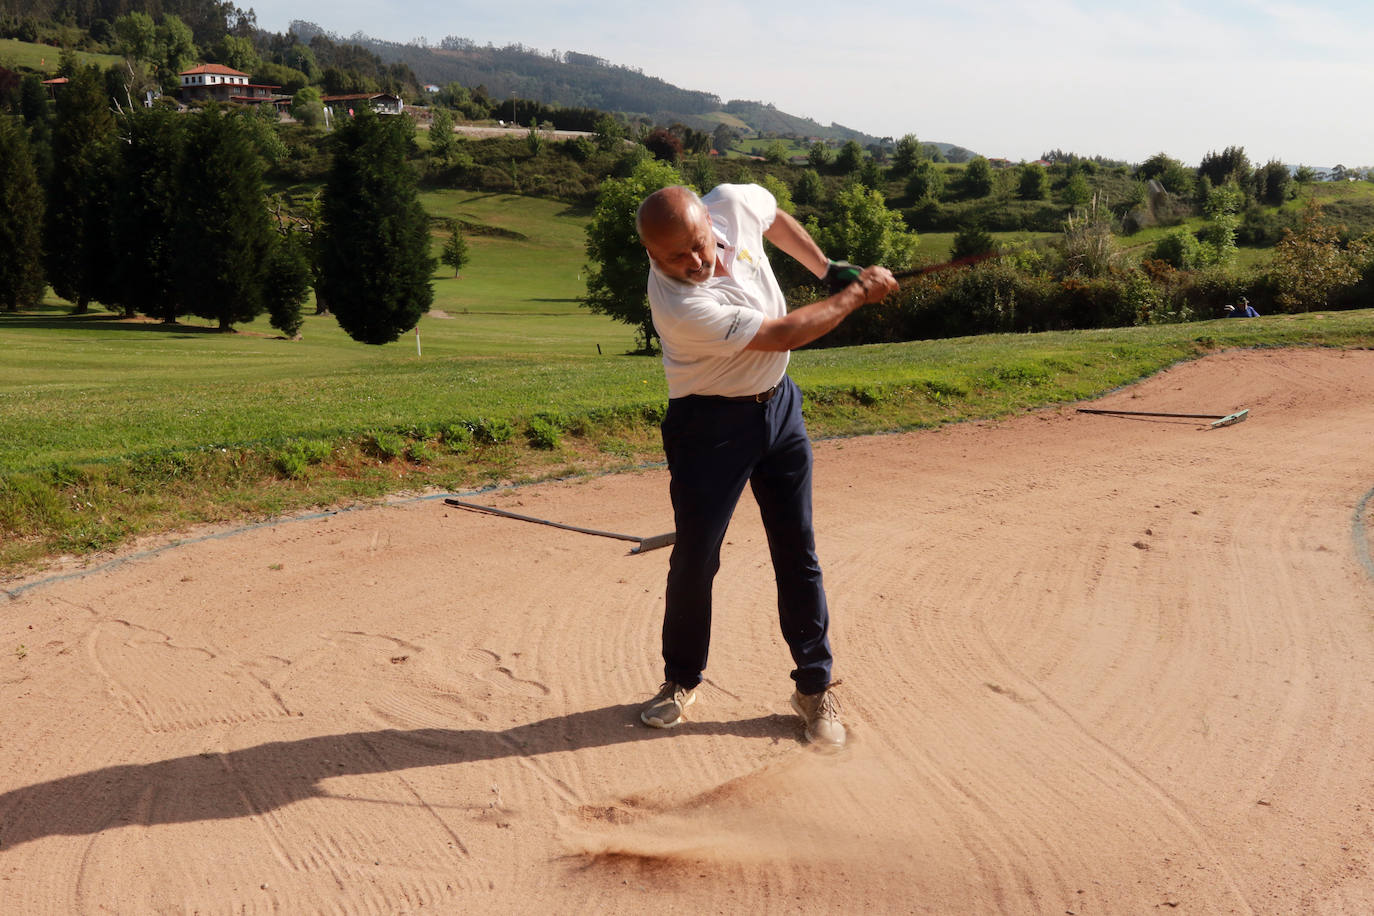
{"x": 763, "y": 397}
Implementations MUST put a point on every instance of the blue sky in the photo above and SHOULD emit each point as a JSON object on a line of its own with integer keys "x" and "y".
{"x": 1285, "y": 80}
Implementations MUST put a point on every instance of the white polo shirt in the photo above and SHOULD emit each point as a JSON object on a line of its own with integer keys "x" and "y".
{"x": 705, "y": 329}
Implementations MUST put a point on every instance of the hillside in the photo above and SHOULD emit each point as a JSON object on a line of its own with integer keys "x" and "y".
{"x": 584, "y": 81}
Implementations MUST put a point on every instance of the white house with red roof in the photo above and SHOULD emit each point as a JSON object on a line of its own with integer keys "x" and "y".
{"x": 225, "y": 84}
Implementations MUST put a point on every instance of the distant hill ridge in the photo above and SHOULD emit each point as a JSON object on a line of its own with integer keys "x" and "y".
{"x": 581, "y": 80}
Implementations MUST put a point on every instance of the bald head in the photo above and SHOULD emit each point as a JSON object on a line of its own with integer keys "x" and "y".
{"x": 676, "y": 231}
{"x": 669, "y": 210}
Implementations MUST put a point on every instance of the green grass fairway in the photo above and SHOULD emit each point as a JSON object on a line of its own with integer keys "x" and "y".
{"x": 534, "y": 275}
{"x": 111, "y": 428}
{"x": 17, "y": 54}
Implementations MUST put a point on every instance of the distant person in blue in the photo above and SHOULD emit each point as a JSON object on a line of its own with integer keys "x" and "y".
{"x": 1243, "y": 310}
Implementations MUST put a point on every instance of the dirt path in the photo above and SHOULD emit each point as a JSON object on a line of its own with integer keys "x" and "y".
{"x": 1090, "y": 664}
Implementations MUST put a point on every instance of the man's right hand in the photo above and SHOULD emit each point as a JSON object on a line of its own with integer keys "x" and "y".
{"x": 877, "y": 283}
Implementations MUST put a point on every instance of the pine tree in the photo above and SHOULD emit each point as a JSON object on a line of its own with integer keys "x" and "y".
{"x": 374, "y": 243}
{"x": 21, "y": 218}
{"x": 76, "y": 231}
{"x": 288, "y": 281}
{"x": 146, "y": 197}
{"x": 224, "y": 232}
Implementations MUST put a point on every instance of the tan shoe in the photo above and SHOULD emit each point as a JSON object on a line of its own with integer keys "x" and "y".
{"x": 669, "y": 706}
{"x": 821, "y": 712}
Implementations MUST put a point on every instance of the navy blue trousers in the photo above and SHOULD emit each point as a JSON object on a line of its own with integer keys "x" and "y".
{"x": 714, "y": 447}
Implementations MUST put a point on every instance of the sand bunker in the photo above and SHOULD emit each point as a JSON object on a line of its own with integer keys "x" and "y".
{"x": 1091, "y": 665}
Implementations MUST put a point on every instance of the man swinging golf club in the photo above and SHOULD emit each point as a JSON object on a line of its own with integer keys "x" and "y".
{"x": 735, "y": 417}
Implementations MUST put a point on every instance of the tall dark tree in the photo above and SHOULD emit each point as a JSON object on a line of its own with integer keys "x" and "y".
{"x": 145, "y": 195}
{"x": 850, "y": 157}
{"x": 1273, "y": 182}
{"x": 1231, "y": 164}
{"x": 288, "y": 280}
{"x": 76, "y": 231}
{"x": 374, "y": 245}
{"x": 224, "y": 232}
{"x": 21, "y": 214}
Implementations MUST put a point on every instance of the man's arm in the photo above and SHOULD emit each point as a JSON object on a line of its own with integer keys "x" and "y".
{"x": 792, "y": 237}
{"x": 801, "y": 326}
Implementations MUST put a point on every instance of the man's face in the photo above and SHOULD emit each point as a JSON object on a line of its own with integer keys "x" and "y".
{"x": 686, "y": 253}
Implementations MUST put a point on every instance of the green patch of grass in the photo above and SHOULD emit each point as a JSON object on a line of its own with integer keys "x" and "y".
{"x": 112, "y": 428}
{"x": 17, "y": 55}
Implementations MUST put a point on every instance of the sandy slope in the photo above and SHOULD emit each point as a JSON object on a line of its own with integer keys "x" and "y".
{"x": 1091, "y": 665}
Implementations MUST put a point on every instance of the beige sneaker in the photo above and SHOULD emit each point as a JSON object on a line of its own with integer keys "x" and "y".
{"x": 821, "y": 712}
{"x": 669, "y": 707}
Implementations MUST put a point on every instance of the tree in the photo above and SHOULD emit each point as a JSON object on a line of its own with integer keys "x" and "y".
{"x": 1309, "y": 265}
{"x": 906, "y": 155}
{"x": 1305, "y": 174}
{"x": 664, "y": 145}
{"x": 722, "y": 138}
{"x": 978, "y": 177}
{"x": 455, "y": 253}
{"x": 1222, "y": 207}
{"x": 306, "y": 106}
{"x": 1034, "y": 183}
{"x": 972, "y": 240}
{"x": 175, "y": 50}
{"x": 861, "y": 228}
{"x": 21, "y": 220}
{"x": 617, "y": 264}
{"x": 1231, "y": 164}
{"x": 146, "y": 196}
{"x": 925, "y": 181}
{"x": 776, "y": 152}
{"x": 76, "y": 232}
{"x": 136, "y": 36}
{"x": 810, "y": 189}
{"x": 1176, "y": 178}
{"x": 1273, "y": 183}
{"x": 289, "y": 276}
{"x": 818, "y": 156}
{"x": 781, "y": 193}
{"x": 850, "y": 156}
{"x": 609, "y": 132}
{"x": 238, "y": 53}
{"x": 224, "y": 233}
{"x": 441, "y": 138}
{"x": 374, "y": 244}
{"x": 1077, "y": 192}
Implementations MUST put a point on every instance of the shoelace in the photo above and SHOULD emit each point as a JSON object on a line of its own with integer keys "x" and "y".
{"x": 829, "y": 707}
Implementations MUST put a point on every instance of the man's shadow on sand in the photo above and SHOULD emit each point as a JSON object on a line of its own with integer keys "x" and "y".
{"x": 269, "y": 776}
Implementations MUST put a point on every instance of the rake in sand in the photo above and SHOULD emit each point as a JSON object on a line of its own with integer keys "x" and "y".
{"x": 1218, "y": 421}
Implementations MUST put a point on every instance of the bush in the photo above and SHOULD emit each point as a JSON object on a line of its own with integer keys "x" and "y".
{"x": 492, "y": 430}
{"x": 387, "y": 446}
{"x": 544, "y": 432}
{"x": 457, "y": 437}
{"x": 1179, "y": 249}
